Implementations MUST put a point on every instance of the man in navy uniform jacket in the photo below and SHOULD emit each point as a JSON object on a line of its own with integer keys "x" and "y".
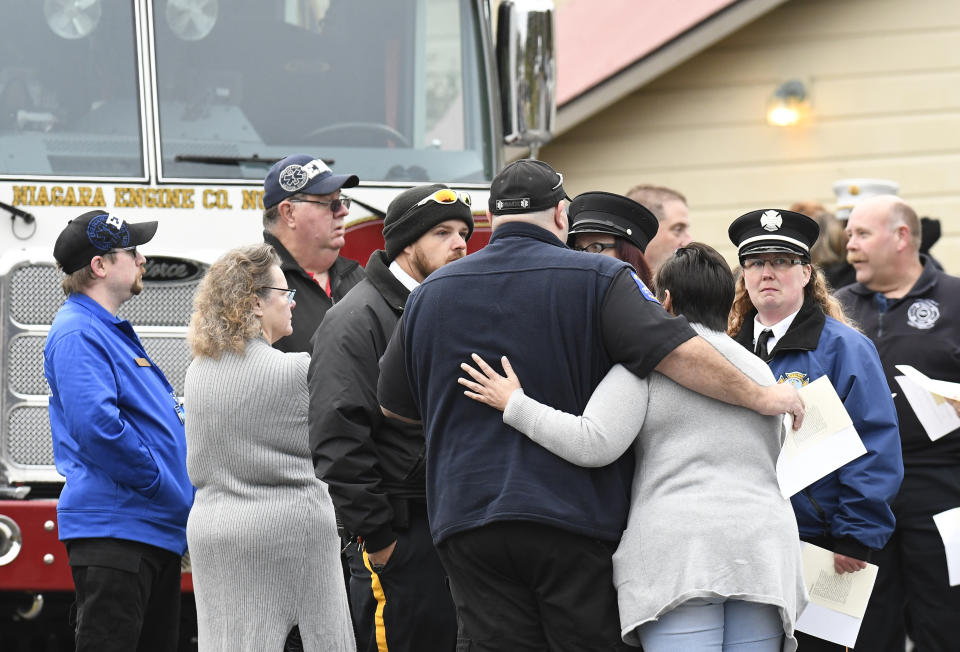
{"x": 527, "y": 538}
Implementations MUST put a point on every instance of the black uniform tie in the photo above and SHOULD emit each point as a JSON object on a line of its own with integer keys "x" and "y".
{"x": 761, "y": 349}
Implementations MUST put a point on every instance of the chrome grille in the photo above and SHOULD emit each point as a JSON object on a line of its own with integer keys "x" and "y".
{"x": 35, "y": 294}
{"x": 30, "y": 443}
{"x": 160, "y": 304}
{"x": 172, "y": 355}
{"x": 25, "y": 373}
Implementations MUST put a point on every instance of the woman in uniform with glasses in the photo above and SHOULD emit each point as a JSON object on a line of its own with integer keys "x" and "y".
{"x": 783, "y": 312}
{"x": 612, "y": 225}
{"x": 262, "y": 534}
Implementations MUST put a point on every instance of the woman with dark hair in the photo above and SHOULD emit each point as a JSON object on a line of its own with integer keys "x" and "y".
{"x": 262, "y": 532}
{"x": 710, "y": 558}
{"x": 612, "y": 225}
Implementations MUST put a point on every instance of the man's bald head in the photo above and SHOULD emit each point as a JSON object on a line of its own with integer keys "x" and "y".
{"x": 894, "y": 210}
{"x": 884, "y": 243}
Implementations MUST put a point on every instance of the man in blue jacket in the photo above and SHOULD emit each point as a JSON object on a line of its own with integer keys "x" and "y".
{"x": 118, "y": 439}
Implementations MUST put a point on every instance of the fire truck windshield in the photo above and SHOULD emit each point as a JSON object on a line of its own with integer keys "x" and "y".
{"x": 391, "y": 91}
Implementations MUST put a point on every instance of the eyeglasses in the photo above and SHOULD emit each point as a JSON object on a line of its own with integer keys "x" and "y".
{"x": 334, "y": 204}
{"x": 288, "y": 292}
{"x": 779, "y": 264}
{"x": 446, "y": 196}
{"x": 130, "y": 250}
{"x": 596, "y": 247}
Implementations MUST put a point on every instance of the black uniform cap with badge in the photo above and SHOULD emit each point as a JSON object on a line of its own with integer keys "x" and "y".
{"x": 606, "y": 212}
{"x": 770, "y": 230}
{"x": 302, "y": 174}
{"x": 525, "y": 186}
{"x": 96, "y": 233}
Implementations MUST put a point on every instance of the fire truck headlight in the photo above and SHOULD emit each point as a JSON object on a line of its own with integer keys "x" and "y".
{"x": 10, "y": 540}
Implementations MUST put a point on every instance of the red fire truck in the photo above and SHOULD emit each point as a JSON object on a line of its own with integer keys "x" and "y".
{"x": 174, "y": 110}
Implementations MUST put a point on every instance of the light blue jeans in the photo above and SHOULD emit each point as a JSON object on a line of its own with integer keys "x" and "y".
{"x": 731, "y": 626}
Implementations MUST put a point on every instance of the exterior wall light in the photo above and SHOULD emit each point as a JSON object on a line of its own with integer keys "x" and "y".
{"x": 789, "y": 105}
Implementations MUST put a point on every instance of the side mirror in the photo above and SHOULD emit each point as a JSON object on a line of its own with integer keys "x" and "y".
{"x": 526, "y": 63}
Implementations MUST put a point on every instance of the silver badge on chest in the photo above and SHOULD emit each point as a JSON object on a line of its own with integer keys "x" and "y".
{"x": 923, "y": 314}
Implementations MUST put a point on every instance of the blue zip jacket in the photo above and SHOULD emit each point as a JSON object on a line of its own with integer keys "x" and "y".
{"x": 849, "y": 510}
{"x": 118, "y": 435}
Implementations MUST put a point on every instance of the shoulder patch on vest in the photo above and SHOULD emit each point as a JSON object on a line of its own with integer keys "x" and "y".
{"x": 644, "y": 290}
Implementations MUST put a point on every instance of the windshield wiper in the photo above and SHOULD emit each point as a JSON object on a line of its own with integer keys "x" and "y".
{"x": 231, "y": 160}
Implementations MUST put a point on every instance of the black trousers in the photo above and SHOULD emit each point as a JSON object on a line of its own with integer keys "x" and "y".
{"x": 406, "y": 607}
{"x": 807, "y": 643}
{"x": 127, "y": 596}
{"x": 527, "y": 587}
{"x": 912, "y": 594}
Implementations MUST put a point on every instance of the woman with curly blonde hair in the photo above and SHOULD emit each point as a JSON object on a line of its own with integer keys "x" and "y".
{"x": 262, "y": 533}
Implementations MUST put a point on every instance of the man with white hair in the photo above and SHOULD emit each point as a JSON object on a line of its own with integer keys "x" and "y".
{"x": 911, "y": 311}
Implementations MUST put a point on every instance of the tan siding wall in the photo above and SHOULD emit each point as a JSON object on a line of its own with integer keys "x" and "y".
{"x": 884, "y": 78}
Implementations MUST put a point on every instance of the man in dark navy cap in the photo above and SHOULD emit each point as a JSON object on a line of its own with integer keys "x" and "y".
{"x": 613, "y": 225}
{"x": 785, "y": 314}
{"x": 303, "y": 219}
{"x": 525, "y": 536}
{"x": 118, "y": 439}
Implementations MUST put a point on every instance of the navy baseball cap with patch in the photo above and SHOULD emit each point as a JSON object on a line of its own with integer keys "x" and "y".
{"x": 525, "y": 186}
{"x": 94, "y": 234}
{"x": 605, "y": 212}
{"x": 771, "y": 230}
{"x": 302, "y": 174}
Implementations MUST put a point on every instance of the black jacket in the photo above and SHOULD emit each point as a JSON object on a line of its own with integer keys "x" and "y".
{"x": 922, "y": 330}
{"x": 373, "y": 465}
{"x": 312, "y": 300}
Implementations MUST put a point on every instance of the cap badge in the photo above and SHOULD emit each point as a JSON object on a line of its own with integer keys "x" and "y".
{"x": 107, "y": 231}
{"x": 854, "y": 190}
{"x": 294, "y": 177}
{"x": 771, "y": 221}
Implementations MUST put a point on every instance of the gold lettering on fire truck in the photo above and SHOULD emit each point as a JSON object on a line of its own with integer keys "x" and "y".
{"x": 138, "y": 197}
{"x": 252, "y": 199}
{"x": 216, "y": 198}
{"x": 59, "y": 196}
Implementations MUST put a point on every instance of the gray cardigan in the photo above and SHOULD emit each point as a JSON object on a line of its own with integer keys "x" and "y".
{"x": 707, "y": 520}
{"x": 262, "y": 535}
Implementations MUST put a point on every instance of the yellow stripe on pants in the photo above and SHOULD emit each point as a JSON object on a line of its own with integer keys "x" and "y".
{"x": 381, "y": 599}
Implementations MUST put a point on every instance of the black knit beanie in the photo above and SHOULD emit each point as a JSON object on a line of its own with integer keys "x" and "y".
{"x": 405, "y": 221}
